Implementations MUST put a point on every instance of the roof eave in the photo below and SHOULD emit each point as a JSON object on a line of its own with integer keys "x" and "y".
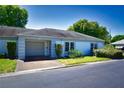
{"x": 51, "y": 37}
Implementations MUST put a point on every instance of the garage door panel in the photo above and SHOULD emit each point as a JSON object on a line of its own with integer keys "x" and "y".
{"x": 34, "y": 48}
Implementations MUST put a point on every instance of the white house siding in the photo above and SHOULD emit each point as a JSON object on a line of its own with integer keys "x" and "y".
{"x": 21, "y": 47}
{"x": 83, "y": 46}
{"x": 100, "y": 44}
{"x": 3, "y": 48}
{"x": 53, "y": 42}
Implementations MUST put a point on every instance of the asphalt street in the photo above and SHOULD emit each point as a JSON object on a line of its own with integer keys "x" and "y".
{"x": 101, "y": 75}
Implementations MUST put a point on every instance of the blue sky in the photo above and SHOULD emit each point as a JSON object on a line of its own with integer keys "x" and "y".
{"x": 62, "y": 16}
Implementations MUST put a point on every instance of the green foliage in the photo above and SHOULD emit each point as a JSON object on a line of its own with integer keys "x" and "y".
{"x": 74, "y": 53}
{"x": 109, "y": 52}
{"x": 11, "y": 48}
{"x": 2, "y": 56}
{"x": 117, "y": 38}
{"x": 7, "y": 65}
{"x": 91, "y": 28}
{"x": 80, "y": 60}
{"x": 13, "y": 15}
{"x": 58, "y": 50}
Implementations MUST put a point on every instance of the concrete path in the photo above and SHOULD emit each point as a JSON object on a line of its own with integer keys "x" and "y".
{"x": 98, "y": 75}
{"x": 21, "y": 66}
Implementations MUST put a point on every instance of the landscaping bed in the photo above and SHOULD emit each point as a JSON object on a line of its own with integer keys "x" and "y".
{"x": 7, "y": 65}
{"x": 80, "y": 60}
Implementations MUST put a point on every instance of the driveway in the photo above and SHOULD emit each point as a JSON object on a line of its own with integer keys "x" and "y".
{"x": 29, "y": 65}
{"x": 103, "y": 75}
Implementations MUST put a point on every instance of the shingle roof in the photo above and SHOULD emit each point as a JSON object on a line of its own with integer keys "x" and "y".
{"x": 12, "y": 31}
{"x": 120, "y": 42}
{"x": 62, "y": 34}
{"x": 15, "y": 31}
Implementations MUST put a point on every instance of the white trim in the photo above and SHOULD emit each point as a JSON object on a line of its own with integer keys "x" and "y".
{"x": 50, "y": 37}
{"x": 21, "y": 47}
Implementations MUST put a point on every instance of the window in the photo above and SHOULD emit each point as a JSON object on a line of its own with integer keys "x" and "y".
{"x": 69, "y": 46}
{"x": 91, "y": 46}
{"x": 66, "y": 46}
{"x": 72, "y": 46}
{"x": 95, "y": 46}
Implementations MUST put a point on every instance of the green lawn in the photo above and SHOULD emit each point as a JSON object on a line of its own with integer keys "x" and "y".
{"x": 80, "y": 60}
{"x": 7, "y": 65}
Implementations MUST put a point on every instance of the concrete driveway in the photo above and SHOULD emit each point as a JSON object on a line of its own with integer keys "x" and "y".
{"x": 29, "y": 65}
{"x": 100, "y": 75}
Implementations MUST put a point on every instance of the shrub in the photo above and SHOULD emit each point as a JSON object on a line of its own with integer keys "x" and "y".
{"x": 108, "y": 51}
{"x": 2, "y": 56}
{"x": 74, "y": 53}
{"x": 11, "y": 48}
{"x": 58, "y": 50}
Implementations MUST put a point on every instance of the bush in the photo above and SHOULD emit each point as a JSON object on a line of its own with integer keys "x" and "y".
{"x": 74, "y": 53}
{"x": 58, "y": 49}
{"x": 108, "y": 51}
{"x": 11, "y": 48}
{"x": 2, "y": 56}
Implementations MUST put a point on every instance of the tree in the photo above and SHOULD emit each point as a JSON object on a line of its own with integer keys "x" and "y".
{"x": 91, "y": 28}
{"x": 117, "y": 37}
{"x": 13, "y": 15}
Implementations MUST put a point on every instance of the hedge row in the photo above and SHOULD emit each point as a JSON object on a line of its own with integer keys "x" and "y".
{"x": 108, "y": 51}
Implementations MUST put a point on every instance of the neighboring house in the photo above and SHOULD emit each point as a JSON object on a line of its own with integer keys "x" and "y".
{"x": 42, "y": 42}
{"x": 119, "y": 44}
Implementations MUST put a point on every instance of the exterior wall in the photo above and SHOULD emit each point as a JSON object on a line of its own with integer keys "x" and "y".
{"x": 3, "y": 45}
{"x": 21, "y": 47}
{"x": 100, "y": 44}
{"x": 3, "y": 48}
{"x": 83, "y": 46}
{"x": 53, "y": 42}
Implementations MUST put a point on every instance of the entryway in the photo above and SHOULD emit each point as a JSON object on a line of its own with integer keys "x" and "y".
{"x": 37, "y": 48}
{"x": 34, "y": 48}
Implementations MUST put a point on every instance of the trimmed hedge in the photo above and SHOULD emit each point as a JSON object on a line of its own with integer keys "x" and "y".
{"x": 11, "y": 48}
{"x": 109, "y": 52}
{"x": 74, "y": 53}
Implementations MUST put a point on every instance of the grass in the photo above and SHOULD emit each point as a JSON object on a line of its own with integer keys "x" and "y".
{"x": 7, "y": 65}
{"x": 80, "y": 60}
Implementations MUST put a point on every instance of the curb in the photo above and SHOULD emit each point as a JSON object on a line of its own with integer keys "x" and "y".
{"x": 29, "y": 71}
{"x": 90, "y": 63}
{"x": 50, "y": 68}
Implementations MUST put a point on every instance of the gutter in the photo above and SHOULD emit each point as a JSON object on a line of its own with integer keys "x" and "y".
{"x": 61, "y": 38}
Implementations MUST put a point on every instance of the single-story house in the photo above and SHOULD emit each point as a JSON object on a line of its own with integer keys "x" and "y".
{"x": 31, "y": 43}
{"x": 119, "y": 44}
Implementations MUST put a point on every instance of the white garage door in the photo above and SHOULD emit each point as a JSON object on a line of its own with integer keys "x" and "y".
{"x": 34, "y": 48}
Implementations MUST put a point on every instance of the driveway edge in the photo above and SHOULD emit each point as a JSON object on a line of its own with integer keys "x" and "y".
{"x": 29, "y": 71}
